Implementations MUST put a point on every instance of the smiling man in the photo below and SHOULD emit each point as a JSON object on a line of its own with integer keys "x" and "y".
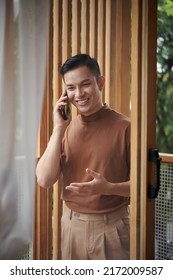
{"x": 92, "y": 152}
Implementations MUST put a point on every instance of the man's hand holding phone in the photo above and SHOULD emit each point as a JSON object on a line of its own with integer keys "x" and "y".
{"x": 62, "y": 111}
{"x": 64, "y": 108}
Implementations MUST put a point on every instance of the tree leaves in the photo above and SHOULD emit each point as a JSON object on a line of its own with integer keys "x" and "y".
{"x": 164, "y": 120}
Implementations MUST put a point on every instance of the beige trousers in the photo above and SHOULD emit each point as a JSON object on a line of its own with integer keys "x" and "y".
{"x": 95, "y": 236}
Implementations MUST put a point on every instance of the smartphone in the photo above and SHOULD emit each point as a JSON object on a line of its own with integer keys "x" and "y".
{"x": 64, "y": 109}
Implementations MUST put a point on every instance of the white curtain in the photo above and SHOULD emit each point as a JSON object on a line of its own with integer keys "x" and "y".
{"x": 23, "y": 45}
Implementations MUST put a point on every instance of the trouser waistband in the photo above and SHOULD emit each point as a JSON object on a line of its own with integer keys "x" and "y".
{"x": 98, "y": 217}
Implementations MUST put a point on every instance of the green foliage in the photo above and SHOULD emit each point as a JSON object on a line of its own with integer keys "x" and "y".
{"x": 164, "y": 125}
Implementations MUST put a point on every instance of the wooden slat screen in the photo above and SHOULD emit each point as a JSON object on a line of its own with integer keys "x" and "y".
{"x": 102, "y": 29}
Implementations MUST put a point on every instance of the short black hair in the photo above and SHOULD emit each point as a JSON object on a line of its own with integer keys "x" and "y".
{"x": 78, "y": 61}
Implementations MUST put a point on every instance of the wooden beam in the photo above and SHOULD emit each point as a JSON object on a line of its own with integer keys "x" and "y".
{"x": 143, "y": 116}
{"x": 57, "y": 91}
{"x": 150, "y": 30}
{"x": 43, "y": 214}
{"x": 135, "y": 130}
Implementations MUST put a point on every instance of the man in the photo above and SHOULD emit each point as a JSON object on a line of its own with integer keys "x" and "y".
{"x": 93, "y": 153}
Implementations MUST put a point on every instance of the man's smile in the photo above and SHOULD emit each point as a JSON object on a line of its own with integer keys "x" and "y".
{"x": 82, "y": 102}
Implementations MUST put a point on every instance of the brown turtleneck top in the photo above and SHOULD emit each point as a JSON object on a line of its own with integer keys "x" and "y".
{"x": 100, "y": 142}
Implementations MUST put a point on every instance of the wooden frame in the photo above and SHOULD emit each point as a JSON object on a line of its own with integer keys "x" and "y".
{"x": 144, "y": 42}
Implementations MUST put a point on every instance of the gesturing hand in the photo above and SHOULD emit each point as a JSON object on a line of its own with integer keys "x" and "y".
{"x": 99, "y": 185}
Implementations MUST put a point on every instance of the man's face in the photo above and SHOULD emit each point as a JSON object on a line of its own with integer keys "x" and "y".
{"x": 84, "y": 90}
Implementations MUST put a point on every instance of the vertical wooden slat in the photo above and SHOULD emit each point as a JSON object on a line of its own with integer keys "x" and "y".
{"x": 57, "y": 50}
{"x": 144, "y": 40}
{"x": 118, "y": 53}
{"x": 84, "y": 26}
{"x": 149, "y": 119}
{"x": 108, "y": 52}
{"x": 101, "y": 39}
{"x": 100, "y": 36}
{"x": 112, "y": 97}
{"x": 126, "y": 57}
{"x": 76, "y": 35}
{"x": 66, "y": 27}
{"x": 76, "y": 27}
{"x": 144, "y": 152}
{"x": 43, "y": 215}
{"x": 57, "y": 90}
{"x": 122, "y": 55}
{"x": 93, "y": 28}
{"x": 136, "y": 133}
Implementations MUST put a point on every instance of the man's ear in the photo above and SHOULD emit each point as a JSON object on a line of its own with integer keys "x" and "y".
{"x": 101, "y": 82}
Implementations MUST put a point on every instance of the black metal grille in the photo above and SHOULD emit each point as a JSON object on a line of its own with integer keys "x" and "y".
{"x": 164, "y": 215}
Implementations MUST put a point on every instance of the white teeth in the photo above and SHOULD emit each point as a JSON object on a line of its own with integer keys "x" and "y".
{"x": 82, "y": 102}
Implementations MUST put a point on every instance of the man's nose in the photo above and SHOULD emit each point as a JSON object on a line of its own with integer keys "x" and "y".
{"x": 79, "y": 92}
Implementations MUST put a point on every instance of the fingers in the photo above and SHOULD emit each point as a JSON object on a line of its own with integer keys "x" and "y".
{"x": 61, "y": 102}
{"x": 62, "y": 112}
{"x": 77, "y": 187}
{"x": 92, "y": 173}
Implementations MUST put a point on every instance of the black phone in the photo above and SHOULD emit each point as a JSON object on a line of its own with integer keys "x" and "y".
{"x": 64, "y": 109}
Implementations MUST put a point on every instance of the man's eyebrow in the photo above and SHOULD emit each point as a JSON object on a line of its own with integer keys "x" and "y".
{"x": 69, "y": 85}
{"x": 83, "y": 81}
{"x": 86, "y": 80}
